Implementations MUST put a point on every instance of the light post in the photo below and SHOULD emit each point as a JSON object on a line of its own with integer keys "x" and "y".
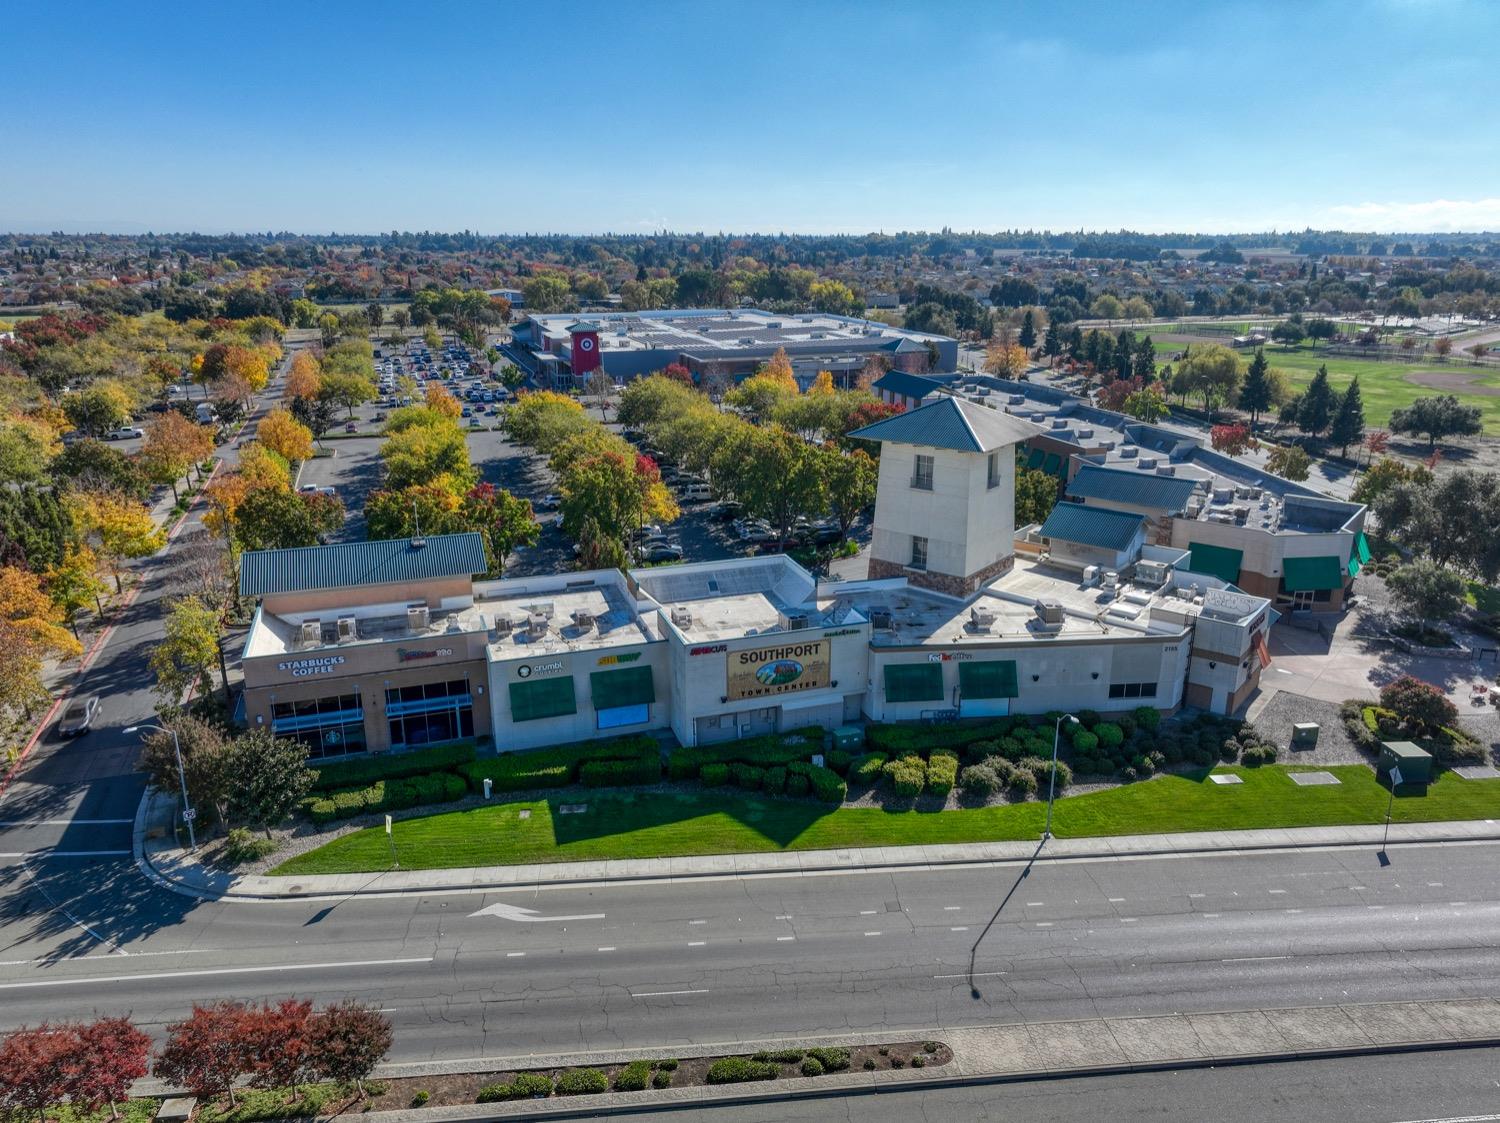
{"x": 1052, "y": 779}
{"x": 188, "y": 814}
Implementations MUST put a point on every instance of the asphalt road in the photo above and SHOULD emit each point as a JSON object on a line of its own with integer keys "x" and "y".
{"x": 1442, "y": 1087}
{"x": 662, "y": 964}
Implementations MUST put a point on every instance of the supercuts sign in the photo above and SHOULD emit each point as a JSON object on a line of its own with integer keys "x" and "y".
{"x": 765, "y": 672}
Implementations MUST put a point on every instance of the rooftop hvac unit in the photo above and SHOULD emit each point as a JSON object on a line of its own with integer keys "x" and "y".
{"x": 416, "y": 617}
{"x": 1059, "y": 423}
{"x": 1128, "y": 452}
{"x": 1256, "y": 493}
{"x": 503, "y": 625}
{"x": 583, "y": 619}
{"x": 536, "y": 623}
{"x": 792, "y": 621}
{"x": 1223, "y": 494}
{"x": 1107, "y": 446}
{"x": 347, "y": 629}
{"x": 1085, "y": 434}
{"x": 1166, "y": 470}
{"x": 981, "y": 619}
{"x": 1152, "y": 574}
{"x": 311, "y": 631}
{"x": 1017, "y": 399}
{"x": 682, "y": 616}
{"x": 1038, "y": 416}
{"x": 1242, "y": 493}
{"x": 880, "y": 619}
{"x": 1221, "y": 517}
{"x": 1146, "y": 463}
{"x": 1111, "y": 579}
{"x": 1090, "y": 575}
{"x": 1049, "y": 611}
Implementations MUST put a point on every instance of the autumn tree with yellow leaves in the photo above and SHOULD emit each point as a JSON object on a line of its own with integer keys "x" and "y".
{"x": 284, "y": 435}
{"x": 32, "y": 630}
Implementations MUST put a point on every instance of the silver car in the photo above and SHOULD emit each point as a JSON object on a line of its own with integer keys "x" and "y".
{"x": 78, "y": 716}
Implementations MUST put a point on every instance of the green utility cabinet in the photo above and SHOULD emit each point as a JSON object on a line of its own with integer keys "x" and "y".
{"x": 850, "y": 738}
{"x": 1415, "y": 763}
{"x": 1305, "y": 735}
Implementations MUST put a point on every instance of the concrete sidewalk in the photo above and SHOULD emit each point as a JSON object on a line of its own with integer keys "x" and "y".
{"x": 996, "y": 1053}
{"x": 161, "y": 859}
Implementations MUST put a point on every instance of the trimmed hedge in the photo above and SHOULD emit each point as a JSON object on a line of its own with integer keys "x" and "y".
{"x": 897, "y": 740}
{"x": 582, "y": 1082}
{"x": 942, "y": 771}
{"x": 526, "y": 1086}
{"x": 387, "y": 795}
{"x": 764, "y": 752}
{"x": 714, "y": 775}
{"x": 644, "y": 769}
{"x": 867, "y": 769}
{"x": 633, "y": 1077}
{"x": 825, "y": 783}
{"x": 907, "y": 775}
{"x": 560, "y": 765}
{"x": 832, "y": 1058}
{"x": 740, "y": 1070}
{"x": 391, "y": 766}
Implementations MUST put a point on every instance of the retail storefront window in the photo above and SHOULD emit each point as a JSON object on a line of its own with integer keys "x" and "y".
{"x": 429, "y": 713}
{"x": 330, "y": 726}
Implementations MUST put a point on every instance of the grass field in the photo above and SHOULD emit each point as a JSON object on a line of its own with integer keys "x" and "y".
{"x": 1383, "y": 385}
{"x": 658, "y": 825}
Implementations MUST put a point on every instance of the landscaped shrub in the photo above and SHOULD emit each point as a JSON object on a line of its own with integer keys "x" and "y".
{"x": 906, "y": 775}
{"x": 747, "y": 776}
{"x": 797, "y": 784}
{"x": 633, "y": 1077}
{"x": 867, "y": 769}
{"x": 979, "y": 780}
{"x": 1109, "y": 734}
{"x": 1147, "y": 717}
{"x": 832, "y": 1059}
{"x": 1257, "y": 755}
{"x": 1023, "y": 783}
{"x": 1451, "y": 747}
{"x": 825, "y": 783}
{"x": 323, "y": 811}
{"x": 559, "y": 765}
{"x": 421, "y": 1098}
{"x": 942, "y": 772}
{"x": 713, "y": 775}
{"x": 642, "y": 769}
{"x": 812, "y": 1067}
{"x": 896, "y": 740}
{"x": 582, "y": 1082}
{"x": 391, "y": 766}
{"x": 1013, "y": 748}
{"x": 1203, "y": 758}
{"x": 661, "y": 1080}
{"x": 1042, "y": 770}
{"x": 1087, "y": 720}
{"x": 774, "y": 782}
{"x": 1085, "y": 742}
{"x": 764, "y": 752}
{"x": 243, "y": 845}
{"x": 739, "y": 1070}
{"x": 526, "y": 1086}
{"x": 668, "y": 1064}
{"x": 780, "y": 1056}
{"x": 838, "y": 760}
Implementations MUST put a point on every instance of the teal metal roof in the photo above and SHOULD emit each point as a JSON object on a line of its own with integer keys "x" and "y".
{"x": 1133, "y": 486}
{"x": 909, "y": 385}
{"x": 1092, "y": 526}
{"x": 951, "y": 423}
{"x": 348, "y": 564}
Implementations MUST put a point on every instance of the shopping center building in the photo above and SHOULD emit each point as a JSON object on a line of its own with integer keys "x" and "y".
{"x": 385, "y": 645}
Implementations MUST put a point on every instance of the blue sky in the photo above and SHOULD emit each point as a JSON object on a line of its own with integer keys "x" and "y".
{"x": 808, "y": 116}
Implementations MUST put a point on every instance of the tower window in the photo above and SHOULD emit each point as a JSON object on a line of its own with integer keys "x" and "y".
{"x": 918, "y": 552}
{"x": 994, "y": 470}
{"x": 921, "y": 473}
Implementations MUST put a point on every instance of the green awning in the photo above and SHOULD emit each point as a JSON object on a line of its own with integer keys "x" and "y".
{"x": 1303, "y": 575}
{"x": 1034, "y": 461}
{"x": 914, "y": 682}
{"x": 987, "y": 678}
{"x": 1353, "y": 567}
{"x": 1362, "y": 545}
{"x": 548, "y": 697}
{"x": 632, "y": 686}
{"x": 1216, "y": 561}
{"x": 1052, "y": 463}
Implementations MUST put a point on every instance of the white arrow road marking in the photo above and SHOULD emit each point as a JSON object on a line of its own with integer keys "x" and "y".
{"x": 515, "y": 912}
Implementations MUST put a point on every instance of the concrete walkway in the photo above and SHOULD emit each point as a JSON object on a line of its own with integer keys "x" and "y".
{"x": 161, "y": 859}
{"x": 989, "y": 1054}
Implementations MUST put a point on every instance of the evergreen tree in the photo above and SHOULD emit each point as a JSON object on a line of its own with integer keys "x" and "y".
{"x": 1028, "y": 330}
{"x": 1105, "y": 359}
{"x": 1255, "y": 394}
{"x": 1145, "y": 359}
{"x": 1349, "y": 419}
{"x": 1317, "y": 404}
{"x": 1089, "y": 352}
{"x": 1124, "y": 353}
{"x": 1075, "y": 341}
{"x": 1052, "y": 345}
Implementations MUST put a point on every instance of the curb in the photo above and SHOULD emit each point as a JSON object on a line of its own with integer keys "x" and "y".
{"x": 891, "y": 863}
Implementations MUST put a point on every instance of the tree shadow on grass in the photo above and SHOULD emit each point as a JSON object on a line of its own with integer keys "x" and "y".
{"x": 780, "y": 822}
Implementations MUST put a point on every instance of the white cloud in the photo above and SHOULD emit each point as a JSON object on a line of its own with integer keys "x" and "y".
{"x": 1433, "y": 215}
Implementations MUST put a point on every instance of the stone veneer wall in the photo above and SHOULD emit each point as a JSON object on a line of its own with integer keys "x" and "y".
{"x": 945, "y": 583}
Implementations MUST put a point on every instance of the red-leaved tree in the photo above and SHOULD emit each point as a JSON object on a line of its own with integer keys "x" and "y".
{"x": 276, "y": 1045}
{"x": 207, "y": 1052}
{"x": 109, "y": 1055}
{"x": 1232, "y": 440}
{"x": 347, "y": 1040}
{"x": 34, "y": 1068}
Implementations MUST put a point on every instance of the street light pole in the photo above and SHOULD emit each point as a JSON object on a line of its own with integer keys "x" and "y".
{"x": 188, "y": 814}
{"x": 1052, "y": 779}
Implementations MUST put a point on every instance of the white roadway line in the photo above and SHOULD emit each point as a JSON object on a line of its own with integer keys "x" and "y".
{"x": 784, "y": 939}
{"x": 1458, "y": 1119}
{"x": 64, "y": 853}
{"x": 974, "y": 975}
{"x": 105, "y": 940}
{"x": 696, "y": 943}
{"x": 144, "y": 976}
{"x": 514, "y": 954}
{"x": 610, "y": 948}
{"x": 664, "y": 993}
{"x": 66, "y": 822}
{"x": 964, "y": 929}
{"x": 516, "y": 912}
{"x": 872, "y": 933}
{"x": 953, "y": 908}
{"x": 1255, "y": 959}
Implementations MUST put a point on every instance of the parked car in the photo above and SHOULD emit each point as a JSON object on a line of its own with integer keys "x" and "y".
{"x": 78, "y": 716}
{"x": 754, "y": 532}
{"x": 697, "y": 493}
{"x": 662, "y": 552}
{"x": 729, "y": 509}
{"x": 317, "y": 489}
{"x": 124, "y": 433}
{"x": 351, "y": 427}
{"x": 549, "y": 502}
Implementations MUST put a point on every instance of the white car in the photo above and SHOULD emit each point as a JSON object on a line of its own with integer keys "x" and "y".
{"x": 124, "y": 433}
{"x": 315, "y": 489}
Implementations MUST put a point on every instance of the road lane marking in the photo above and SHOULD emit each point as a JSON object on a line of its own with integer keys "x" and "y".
{"x": 696, "y": 943}
{"x": 66, "y": 822}
{"x": 866, "y": 912}
{"x": 516, "y": 912}
{"x": 84, "y": 980}
{"x": 663, "y": 993}
{"x": 514, "y": 954}
{"x": 971, "y": 975}
{"x": 872, "y": 933}
{"x": 1035, "y": 904}
{"x": 788, "y": 916}
{"x": 1044, "y": 924}
{"x": 1117, "y": 900}
{"x": 784, "y": 939}
{"x": 697, "y": 922}
{"x": 1127, "y": 920}
{"x": 64, "y": 853}
{"x": 1458, "y": 1119}
{"x": 1195, "y": 896}
{"x": 1255, "y": 959}
{"x": 952, "y": 908}
{"x": 1273, "y": 891}
{"x": 1212, "y": 915}
{"x": 961, "y": 929}
{"x": 611, "y": 948}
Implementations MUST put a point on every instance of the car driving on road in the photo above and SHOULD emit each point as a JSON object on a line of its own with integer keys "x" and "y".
{"x": 78, "y": 717}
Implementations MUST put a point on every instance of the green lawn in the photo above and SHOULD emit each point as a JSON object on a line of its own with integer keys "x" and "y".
{"x": 719, "y": 821}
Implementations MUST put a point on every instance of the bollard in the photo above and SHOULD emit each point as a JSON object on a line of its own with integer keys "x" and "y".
{"x": 487, "y": 785}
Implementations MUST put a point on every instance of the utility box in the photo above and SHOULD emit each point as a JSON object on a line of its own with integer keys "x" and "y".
{"x": 850, "y": 738}
{"x": 1305, "y": 735}
{"x": 1415, "y": 763}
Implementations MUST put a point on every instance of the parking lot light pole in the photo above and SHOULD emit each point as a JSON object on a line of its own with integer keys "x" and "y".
{"x": 188, "y": 814}
{"x": 1052, "y": 780}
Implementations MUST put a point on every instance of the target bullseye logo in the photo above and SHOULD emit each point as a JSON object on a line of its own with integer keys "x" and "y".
{"x": 586, "y": 344}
